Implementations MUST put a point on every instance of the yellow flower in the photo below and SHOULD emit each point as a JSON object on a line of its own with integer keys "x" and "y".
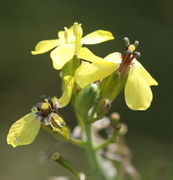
{"x": 138, "y": 94}
{"x": 24, "y": 130}
{"x": 68, "y": 43}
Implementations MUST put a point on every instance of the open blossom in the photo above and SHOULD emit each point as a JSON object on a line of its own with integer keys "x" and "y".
{"x": 138, "y": 94}
{"x": 24, "y": 130}
{"x": 68, "y": 44}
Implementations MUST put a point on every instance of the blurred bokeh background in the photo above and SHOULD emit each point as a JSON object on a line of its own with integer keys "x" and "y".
{"x": 24, "y": 78}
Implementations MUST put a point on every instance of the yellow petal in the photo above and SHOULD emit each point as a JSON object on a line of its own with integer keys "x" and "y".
{"x": 59, "y": 125}
{"x": 68, "y": 84}
{"x": 61, "y": 35}
{"x": 71, "y": 36}
{"x": 61, "y": 55}
{"x": 45, "y": 45}
{"x": 97, "y": 37}
{"x": 115, "y": 57}
{"x": 151, "y": 81}
{"x": 86, "y": 54}
{"x": 24, "y": 131}
{"x": 138, "y": 94}
{"x": 90, "y": 72}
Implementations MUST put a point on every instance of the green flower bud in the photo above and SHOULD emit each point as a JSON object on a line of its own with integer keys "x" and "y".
{"x": 86, "y": 99}
{"x": 103, "y": 107}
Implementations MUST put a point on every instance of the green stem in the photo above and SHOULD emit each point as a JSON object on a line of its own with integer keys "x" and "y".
{"x": 104, "y": 145}
{"x": 97, "y": 172}
{"x": 112, "y": 138}
{"x": 66, "y": 164}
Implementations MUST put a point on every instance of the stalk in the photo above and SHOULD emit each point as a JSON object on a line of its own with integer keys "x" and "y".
{"x": 92, "y": 154}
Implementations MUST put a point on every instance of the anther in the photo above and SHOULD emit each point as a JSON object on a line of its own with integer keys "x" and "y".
{"x": 127, "y": 41}
{"x": 42, "y": 98}
{"x": 136, "y": 43}
{"x": 37, "y": 106}
{"x": 49, "y": 99}
{"x": 50, "y": 102}
{"x": 137, "y": 54}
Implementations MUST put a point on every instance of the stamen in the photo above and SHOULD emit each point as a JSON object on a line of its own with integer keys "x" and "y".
{"x": 50, "y": 102}
{"x": 126, "y": 55}
{"x": 127, "y": 41}
{"x": 137, "y": 54}
{"x": 37, "y": 106}
{"x": 42, "y": 98}
{"x": 136, "y": 43}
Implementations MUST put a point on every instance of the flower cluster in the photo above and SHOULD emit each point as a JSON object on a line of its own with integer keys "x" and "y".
{"x": 82, "y": 72}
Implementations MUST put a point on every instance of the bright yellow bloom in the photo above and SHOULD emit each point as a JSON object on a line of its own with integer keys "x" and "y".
{"x": 138, "y": 94}
{"x": 68, "y": 44}
{"x": 24, "y": 130}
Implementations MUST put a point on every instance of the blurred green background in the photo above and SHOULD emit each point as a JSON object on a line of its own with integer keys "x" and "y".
{"x": 24, "y": 78}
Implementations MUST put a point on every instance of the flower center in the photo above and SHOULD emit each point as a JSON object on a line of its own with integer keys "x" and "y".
{"x": 45, "y": 107}
{"x": 128, "y": 56}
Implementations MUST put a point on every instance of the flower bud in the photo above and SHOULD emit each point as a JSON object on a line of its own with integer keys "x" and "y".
{"x": 115, "y": 118}
{"x": 123, "y": 129}
{"x": 103, "y": 107}
{"x": 86, "y": 99}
